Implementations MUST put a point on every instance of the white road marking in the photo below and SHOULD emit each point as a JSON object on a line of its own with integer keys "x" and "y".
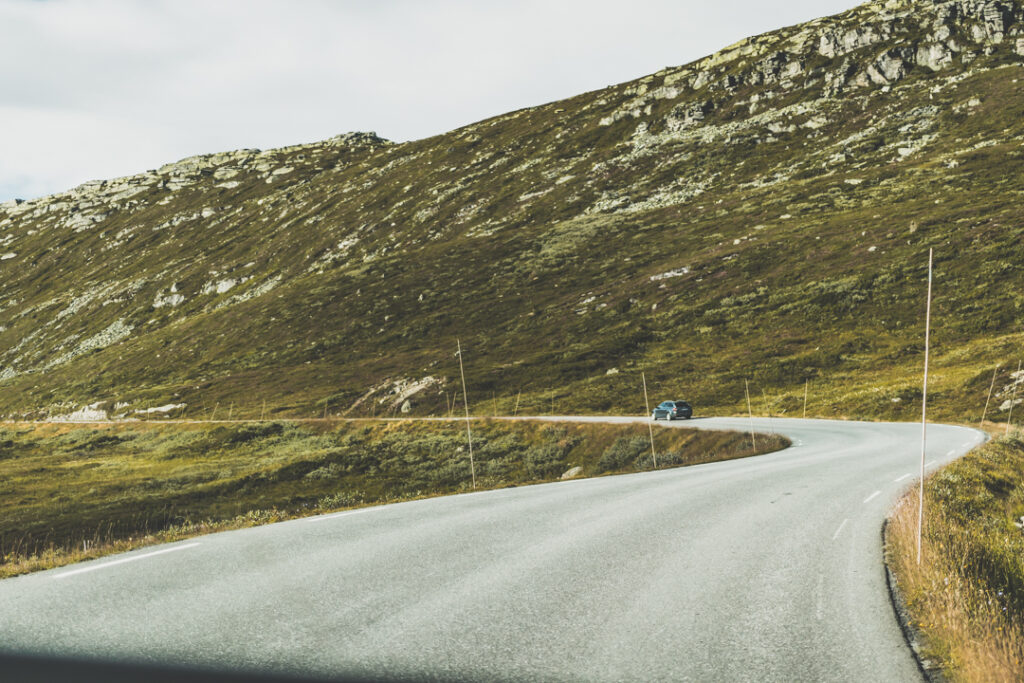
{"x": 930, "y": 463}
{"x": 125, "y": 560}
{"x": 908, "y": 474}
{"x": 872, "y": 496}
{"x": 836, "y": 534}
{"x": 338, "y": 514}
{"x": 951, "y": 452}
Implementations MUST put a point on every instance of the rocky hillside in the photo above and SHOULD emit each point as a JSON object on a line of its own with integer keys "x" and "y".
{"x": 762, "y": 213}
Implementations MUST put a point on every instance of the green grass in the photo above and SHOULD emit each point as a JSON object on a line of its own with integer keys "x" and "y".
{"x": 449, "y": 241}
{"x": 967, "y": 596}
{"x": 73, "y": 491}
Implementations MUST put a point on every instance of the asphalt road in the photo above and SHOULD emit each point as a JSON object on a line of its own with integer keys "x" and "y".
{"x": 761, "y": 569}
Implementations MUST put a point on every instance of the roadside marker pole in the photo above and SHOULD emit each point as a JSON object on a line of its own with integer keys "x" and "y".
{"x": 990, "y": 388}
{"x": 750, "y": 412}
{"x": 924, "y": 406}
{"x": 650, "y": 427}
{"x": 516, "y": 411}
{"x": 805, "y": 398}
{"x": 1013, "y": 399}
{"x": 327, "y": 402}
{"x": 465, "y": 402}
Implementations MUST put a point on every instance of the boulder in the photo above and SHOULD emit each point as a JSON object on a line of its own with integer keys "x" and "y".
{"x": 572, "y": 472}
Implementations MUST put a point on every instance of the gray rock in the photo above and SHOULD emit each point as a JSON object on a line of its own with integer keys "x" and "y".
{"x": 935, "y": 56}
{"x": 406, "y": 407}
{"x": 572, "y": 472}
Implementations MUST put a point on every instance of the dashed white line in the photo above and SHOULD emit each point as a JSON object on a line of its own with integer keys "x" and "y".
{"x": 836, "y": 534}
{"x": 908, "y": 474}
{"x": 951, "y": 452}
{"x": 338, "y": 514}
{"x": 124, "y": 560}
{"x": 930, "y": 463}
{"x": 872, "y": 496}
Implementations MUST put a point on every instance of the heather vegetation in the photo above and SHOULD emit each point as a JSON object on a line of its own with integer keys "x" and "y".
{"x": 966, "y": 598}
{"x": 71, "y": 492}
{"x": 763, "y": 214}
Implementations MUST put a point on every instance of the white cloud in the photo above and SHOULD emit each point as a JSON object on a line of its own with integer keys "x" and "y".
{"x": 97, "y": 88}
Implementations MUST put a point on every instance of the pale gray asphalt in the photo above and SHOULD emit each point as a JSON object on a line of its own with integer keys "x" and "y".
{"x": 727, "y": 571}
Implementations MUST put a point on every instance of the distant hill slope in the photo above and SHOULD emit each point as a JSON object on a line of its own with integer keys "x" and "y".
{"x": 763, "y": 213}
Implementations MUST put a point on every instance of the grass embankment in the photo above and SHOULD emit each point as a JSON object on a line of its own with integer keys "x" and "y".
{"x": 73, "y": 492}
{"x": 966, "y": 598}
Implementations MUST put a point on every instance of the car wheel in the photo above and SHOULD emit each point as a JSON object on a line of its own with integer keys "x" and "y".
{"x": 669, "y": 417}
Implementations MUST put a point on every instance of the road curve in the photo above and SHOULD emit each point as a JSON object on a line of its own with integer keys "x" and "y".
{"x": 761, "y": 569}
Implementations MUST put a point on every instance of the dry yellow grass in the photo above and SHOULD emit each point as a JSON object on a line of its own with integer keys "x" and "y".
{"x": 963, "y": 598}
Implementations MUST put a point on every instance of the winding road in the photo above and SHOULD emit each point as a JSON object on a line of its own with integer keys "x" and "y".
{"x": 762, "y": 569}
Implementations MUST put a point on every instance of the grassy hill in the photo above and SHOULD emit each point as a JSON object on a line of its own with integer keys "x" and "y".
{"x": 764, "y": 213}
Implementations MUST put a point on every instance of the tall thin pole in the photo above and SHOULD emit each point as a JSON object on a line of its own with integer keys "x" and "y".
{"x": 650, "y": 428}
{"x": 516, "y": 411}
{"x": 1013, "y": 399}
{"x": 750, "y": 412}
{"x": 465, "y": 402}
{"x": 805, "y": 398}
{"x": 990, "y": 388}
{"x": 924, "y": 406}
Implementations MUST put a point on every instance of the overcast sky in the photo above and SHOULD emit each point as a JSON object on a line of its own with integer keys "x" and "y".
{"x": 103, "y": 88}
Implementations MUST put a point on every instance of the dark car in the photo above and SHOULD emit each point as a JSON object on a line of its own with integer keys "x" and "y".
{"x": 672, "y": 410}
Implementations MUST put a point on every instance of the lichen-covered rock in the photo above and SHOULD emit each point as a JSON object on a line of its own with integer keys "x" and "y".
{"x": 321, "y": 269}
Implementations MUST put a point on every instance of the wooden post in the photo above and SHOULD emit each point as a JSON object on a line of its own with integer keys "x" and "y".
{"x": 750, "y": 413}
{"x": 231, "y": 409}
{"x": 327, "y": 402}
{"x": 805, "y": 398}
{"x": 650, "y": 427}
{"x": 465, "y": 402}
{"x": 924, "y": 405}
{"x": 1013, "y": 399}
{"x": 990, "y": 387}
{"x": 516, "y": 411}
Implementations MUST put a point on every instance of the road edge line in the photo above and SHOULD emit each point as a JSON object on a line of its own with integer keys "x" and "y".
{"x": 930, "y": 669}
